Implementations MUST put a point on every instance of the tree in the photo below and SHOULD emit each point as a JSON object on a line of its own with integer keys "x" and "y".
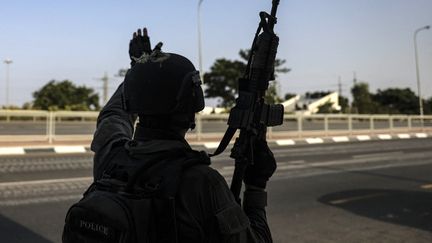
{"x": 272, "y": 96}
{"x": 10, "y": 107}
{"x": 428, "y": 106}
{"x": 65, "y": 95}
{"x": 27, "y": 106}
{"x": 122, "y": 72}
{"x": 326, "y": 108}
{"x": 388, "y": 101}
{"x": 317, "y": 94}
{"x": 289, "y": 96}
{"x": 363, "y": 102}
{"x": 221, "y": 81}
{"x": 397, "y": 101}
{"x": 344, "y": 104}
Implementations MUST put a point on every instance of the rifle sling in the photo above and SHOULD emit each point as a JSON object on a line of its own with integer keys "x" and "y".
{"x": 225, "y": 141}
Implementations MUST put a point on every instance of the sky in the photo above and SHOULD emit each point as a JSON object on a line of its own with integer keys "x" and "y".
{"x": 321, "y": 40}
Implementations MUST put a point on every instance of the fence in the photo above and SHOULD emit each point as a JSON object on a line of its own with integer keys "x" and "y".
{"x": 78, "y": 126}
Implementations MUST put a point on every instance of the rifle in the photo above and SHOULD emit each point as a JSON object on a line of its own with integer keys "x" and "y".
{"x": 251, "y": 114}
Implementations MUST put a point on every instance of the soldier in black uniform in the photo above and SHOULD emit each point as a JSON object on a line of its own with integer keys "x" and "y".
{"x": 163, "y": 89}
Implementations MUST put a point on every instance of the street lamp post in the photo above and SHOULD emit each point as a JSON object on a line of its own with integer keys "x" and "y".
{"x": 7, "y": 62}
{"x": 199, "y": 40}
{"x": 417, "y": 67}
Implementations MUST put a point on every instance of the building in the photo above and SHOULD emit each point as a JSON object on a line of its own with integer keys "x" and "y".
{"x": 310, "y": 103}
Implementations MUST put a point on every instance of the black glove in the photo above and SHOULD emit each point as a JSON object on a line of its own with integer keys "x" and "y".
{"x": 264, "y": 166}
{"x": 139, "y": 45}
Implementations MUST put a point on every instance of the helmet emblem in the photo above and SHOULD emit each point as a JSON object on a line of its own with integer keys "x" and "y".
{"x": 155, "y": 56}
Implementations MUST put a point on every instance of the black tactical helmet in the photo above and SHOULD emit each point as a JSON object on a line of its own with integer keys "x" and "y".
{"x": 164, "y": 88}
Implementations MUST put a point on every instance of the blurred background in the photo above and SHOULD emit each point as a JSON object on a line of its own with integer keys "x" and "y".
{"x": 355, "y": 77}
{"x": 327, "y": 45}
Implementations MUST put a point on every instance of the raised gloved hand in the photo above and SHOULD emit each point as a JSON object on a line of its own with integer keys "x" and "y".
{"x": 258, "y": 173}
{"x": 138, "y": 45}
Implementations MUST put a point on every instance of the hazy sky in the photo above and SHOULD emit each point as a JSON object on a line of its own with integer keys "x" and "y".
{"x": 320, "y": 39}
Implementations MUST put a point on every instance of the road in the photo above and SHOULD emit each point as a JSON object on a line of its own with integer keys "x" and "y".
{"x": 376, "y": 191}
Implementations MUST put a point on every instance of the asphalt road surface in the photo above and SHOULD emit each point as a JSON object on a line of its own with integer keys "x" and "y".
{"x": 376, "y": 191}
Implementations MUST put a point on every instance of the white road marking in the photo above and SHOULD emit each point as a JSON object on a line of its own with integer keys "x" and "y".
{"x": 421, "y": 135}
{"x": 363, "y": 137}
{"x": 12, "y": 151}
{"x": 281, "y": 173}
{"x": 314, "y": 140}
{"x": 427, "y": 186}
{"x": 384, "y": 136}
{"x": 280, "y": 164}
{"x": 211, "y": 145}
{"x": 50, "y": 181}
{"x": 221, "y": 157}
{"x": 28, "y": 201}
{"x": 229, "y": 168}
{"x": 404, "y": 136}
{"x": 340, "y": 139}
{"x": 69, "y": 149}
{"x": 360, "y": 159}
{"x": 371, "y": 155}
{"x": 226, "y": 174}
{"x": 285, "y": 142}
{"x": 296, "y": 162}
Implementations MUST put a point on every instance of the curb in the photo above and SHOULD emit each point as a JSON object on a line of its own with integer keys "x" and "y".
{"x": 326, "y": 140}
{"x": 4, "y": 151}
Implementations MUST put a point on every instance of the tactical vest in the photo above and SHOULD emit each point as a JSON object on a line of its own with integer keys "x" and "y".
{"x": 133, "y": 202}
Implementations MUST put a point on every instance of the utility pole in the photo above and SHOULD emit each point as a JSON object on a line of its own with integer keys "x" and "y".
{"x": 199, "y": 40}
{"x": 417, "y": 68}
{"x": 105, "y": 87}
{"x": 7, "y": 62}
{"x": 340, "y": 86}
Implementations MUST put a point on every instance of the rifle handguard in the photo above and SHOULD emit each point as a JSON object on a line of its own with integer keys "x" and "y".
{"x": 262, "y": 68}
{"x": 272, "y": 115}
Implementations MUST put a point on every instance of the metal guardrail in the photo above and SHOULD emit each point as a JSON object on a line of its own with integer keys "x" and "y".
{"x": 21, "y": 125}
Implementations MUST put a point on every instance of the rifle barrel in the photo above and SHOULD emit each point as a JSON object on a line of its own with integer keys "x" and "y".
{"x": 272, "y": 22}
{"x": 274, "y": 8}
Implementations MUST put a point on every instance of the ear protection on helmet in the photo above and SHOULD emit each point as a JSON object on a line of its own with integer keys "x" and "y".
{"x": 197, "y": 92}
{"x": 191, "y": 90}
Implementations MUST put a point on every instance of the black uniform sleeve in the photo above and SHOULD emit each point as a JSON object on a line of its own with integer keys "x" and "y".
{"x": 234, "y": 224}
{"x": 114, "y": 127}
{"x": 254, "y": 203}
